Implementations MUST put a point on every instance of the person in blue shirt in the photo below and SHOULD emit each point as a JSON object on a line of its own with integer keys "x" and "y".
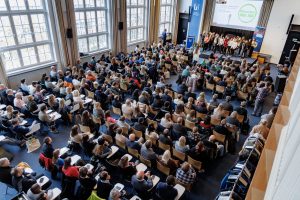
{"x": 166, "y": 190}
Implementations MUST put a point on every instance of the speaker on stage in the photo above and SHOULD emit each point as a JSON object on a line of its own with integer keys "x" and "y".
{"x": 280, "y": 83}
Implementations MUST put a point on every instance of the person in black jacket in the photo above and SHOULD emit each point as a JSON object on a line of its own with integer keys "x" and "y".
{"x": 103, "y": 185}
{"x": 166, "y": 190}
{"x": 5, "y": 169}
{"x": 87, "y": 183}
{"x": 178, "y": 129}
{"x": 165, "y": 137}
{"x": 20, "y": 182}
{"x": 189, "y": 94}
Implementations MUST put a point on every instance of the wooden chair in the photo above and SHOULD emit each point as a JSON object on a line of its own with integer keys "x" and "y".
{"x": 150, "y": 121}
{"x": 242, "y": 95}
{"x": 175, "y": 95}
{"x": 138, "y": 134}
{"x": 215, "y": 121}
{"x": 133, "y": 152}
{"x": 163, "y": 169}
{"x": 200, "y": 115}
{"x": 187, "y": 110}
{"x": 90, "y": 94}
{"x": 121, "y": 144}
{"x": 195, "y": 163}
{"x": 145, "y": 161}
{"x": 168, "y": 66}
{"x": 209, "y": 86}
{"x": 189, "y": 125}
{"x": 220, "y": 89}
{"x": 179, "y": 155}
{"x": 163, "y": 146}
{"x": 219, "y": 137}
{"x": 240, "y": 118}
{"x": 84, "y": 129}
{"x": 117, "y": 111}
{"x": 188, "y": 187}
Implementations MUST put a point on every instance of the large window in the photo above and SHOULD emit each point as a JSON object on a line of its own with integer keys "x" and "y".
{"x": 166, "y": 16}
{"x": 136, "y": 22}
{"x": 92, "y": 25}
{"x": 25, "y": 39}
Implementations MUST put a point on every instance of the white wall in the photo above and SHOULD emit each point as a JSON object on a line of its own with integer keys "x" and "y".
{"x": 184, "y": 6}
{"x": 275, "y": 36}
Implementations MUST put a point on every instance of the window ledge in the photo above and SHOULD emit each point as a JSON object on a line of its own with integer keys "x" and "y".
{"x": 135, "y": 42}
{"x": 96, "y": 52}
{"x": 29, "y": 69}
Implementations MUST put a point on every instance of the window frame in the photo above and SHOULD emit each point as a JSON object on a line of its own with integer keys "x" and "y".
{"x": 144, "y": 26}
{"x": 170, "y": 22}
{"x": 46, "y": 12}
{"x": 98, "y": 33}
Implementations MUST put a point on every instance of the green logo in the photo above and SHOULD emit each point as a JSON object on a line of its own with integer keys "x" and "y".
{"x": 247, "y": 13}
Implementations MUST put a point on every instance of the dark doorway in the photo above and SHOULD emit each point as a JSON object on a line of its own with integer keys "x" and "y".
{"x": 291, "y": 47}
{"x": 182, "y": 27}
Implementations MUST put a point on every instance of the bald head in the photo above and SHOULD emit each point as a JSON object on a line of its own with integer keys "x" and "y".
{"x": 132, "y": 137}
{"x": 212, "y": 138}
{"x": 140, "y": 175}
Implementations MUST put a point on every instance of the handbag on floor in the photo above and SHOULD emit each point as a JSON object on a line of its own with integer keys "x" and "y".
{"x": 32, "y": 144}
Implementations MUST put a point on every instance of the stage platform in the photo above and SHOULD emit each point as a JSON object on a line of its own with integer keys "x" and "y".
{"x": 206, "y": 54}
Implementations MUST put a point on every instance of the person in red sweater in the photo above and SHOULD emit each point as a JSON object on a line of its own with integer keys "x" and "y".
{"x": 69, "y": 170}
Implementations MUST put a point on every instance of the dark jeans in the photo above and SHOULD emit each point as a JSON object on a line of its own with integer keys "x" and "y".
{"x": 258, "y": 107}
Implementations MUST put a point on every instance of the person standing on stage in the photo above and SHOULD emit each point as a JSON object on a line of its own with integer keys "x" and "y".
{"x": 164, "y": 37}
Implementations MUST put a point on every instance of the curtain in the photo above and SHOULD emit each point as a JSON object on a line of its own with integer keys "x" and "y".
{"x": 115, "y": 29}
{"x": 208, "y": 15}
{"x": 154, "y": 21}
{"x": 265, "y": 13}
{"x": 123, "y": 33}
{"x": 3, "y": 77}
{"x": 175, "y": 27}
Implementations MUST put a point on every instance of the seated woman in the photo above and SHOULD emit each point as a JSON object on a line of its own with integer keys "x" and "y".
{"x": 75, "y": 136}
{"x": 178, "y": 100}
{"x": 76, "y": 97}
{"x": 181, "y": 145}
{"x": 21, "y": 182}
{"x": 56, "y": 160}
{"x": 166, "y": 121}
{"x": 205, "y": 125}
{"x": 194, "y": 136}
{"x": 108, "y": 117}
{"x": 19, "y": 103}
{"x": 128, "y": 168}
{"x": 218, "y": 112}
{"x": 190, "y": 103}
{"x": 167, "y": 161}
{"x": 87, "y": 120}
{"x": 36, "y": 193}
{"x": 192, "y": 117}
{"x": 199, "y": 153}
{"x": 31, "y": 104}
{"x": 39, "y": 94}
{"x": 150, "y": 131}
{"x": 64, "y": 110}
{"x": 120, "y": 136}
{"x": 87, "y": 144}
{"x": 52, "y": 103}
{"x": 179, "y": 111}
{"x": 201, "y": 107}
{"x": 98, "y": 111}
{"x": 68, "y": 170}
{"x": 100, "y": 152}
{"x": 47, "y": 148}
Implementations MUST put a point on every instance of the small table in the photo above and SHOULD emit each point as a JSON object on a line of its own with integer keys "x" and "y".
{"x": 128, "y": 156}
{"x": 119, "y": 187}
{"x": 87, "y": 100}
{"x": 42, "y": 181}
{"x": 135, "y": 198}
{"x": 2, "y": 106}
{"x": 23, "y": 122}
{"x": 74, "y": 159}
{"x": 56, "y": 116}
{"x": 155, "y": 180}
{"x": 114, "y": 150}
{"x": 180, "y": 190}
{"x": 55, "y": 193}
{"x": 90, "y": 167}
{"x": 63, "y": 150}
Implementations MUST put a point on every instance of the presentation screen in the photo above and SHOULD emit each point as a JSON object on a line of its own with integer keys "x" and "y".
{"x": 237, "y": 14}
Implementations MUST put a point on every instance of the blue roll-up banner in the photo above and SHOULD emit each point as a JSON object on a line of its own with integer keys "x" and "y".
{"x": 196, "y": 13}
{"x": 190, "y": 41}
{"x": 258, "y": 35}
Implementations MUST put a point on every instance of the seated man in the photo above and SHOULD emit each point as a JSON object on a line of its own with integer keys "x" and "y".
{"x": 165, "y": 137}
{"x": 148, "y": 153}
{"x": 178, "y": 129}
{"x": 261, "y": 129}
{"x": 186, "y": 174}
{"x": 103, "y": 185}
{"x": 21, "y": 182}
{"x": 45, "y": 118}
{"x": 166, "y": 190}
{"x": 215, "y": 147}
{"x": 140, "y": 185}
{"x": 132, "y": 143}
{"x": 227, "y": 105}
{"x": 189, "y": 94}
{"x": 139, "y": 126}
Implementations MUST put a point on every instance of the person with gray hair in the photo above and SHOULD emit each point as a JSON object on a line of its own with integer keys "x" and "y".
{"x": 114, "y": 194}
{"x": 5, "y": 169}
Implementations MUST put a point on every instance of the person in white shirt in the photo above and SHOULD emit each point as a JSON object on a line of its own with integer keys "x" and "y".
{"x": 32, "y": 88}
{"x": 76, "y": 97}
{"x": 53, "y": 73}
{"x": 24, "y": 86}
{"x": 127, "y": 109}
{"x": 166, "y": 121}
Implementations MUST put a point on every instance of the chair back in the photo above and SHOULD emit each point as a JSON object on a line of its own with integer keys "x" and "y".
{"x": 242, "y": 95}
{"x": 189, "y": 125}
{"x": 240, "y": 118}
{"x": 84, "y": 129}
{"x": 137, "y": 133}
{"x": 219, "y": 137}
{"x": 121, "y": 144}
{"x": 220, "y": 89}
{"x": 133, "y": 152}
{"x": 117, "y": 111}
{"x": 200, "y": 115}
{"x": 145, "y": 161}
{"x": 195, "y": 163}
{"x": 210, "y": 86}
{"x": 163, "y": 169}
{"x": 188, "y": 187}
{"x": 179, "y": 155}
{"x": 163, "y": 146}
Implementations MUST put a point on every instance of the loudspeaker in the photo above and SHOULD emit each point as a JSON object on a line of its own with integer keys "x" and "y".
{"x": 290, "y": 24}
{"x": 120, "y": 25}
{"x": 280, "y": 83}
{"x": 69, "y": 33}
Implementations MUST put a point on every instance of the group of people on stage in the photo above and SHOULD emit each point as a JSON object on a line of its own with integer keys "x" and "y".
{"x": 228, "y": 44}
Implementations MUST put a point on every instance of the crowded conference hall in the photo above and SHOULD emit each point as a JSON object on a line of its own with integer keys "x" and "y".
{"x": 149, "y": 99}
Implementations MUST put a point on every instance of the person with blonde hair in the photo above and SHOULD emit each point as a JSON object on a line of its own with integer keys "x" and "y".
{"x": 76, "y": 97}
{"x": 166, "y": 121}
{"x": 167, "y": 161}
{"x": 261, "y": 129}
{"x": 181, "y": 145}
